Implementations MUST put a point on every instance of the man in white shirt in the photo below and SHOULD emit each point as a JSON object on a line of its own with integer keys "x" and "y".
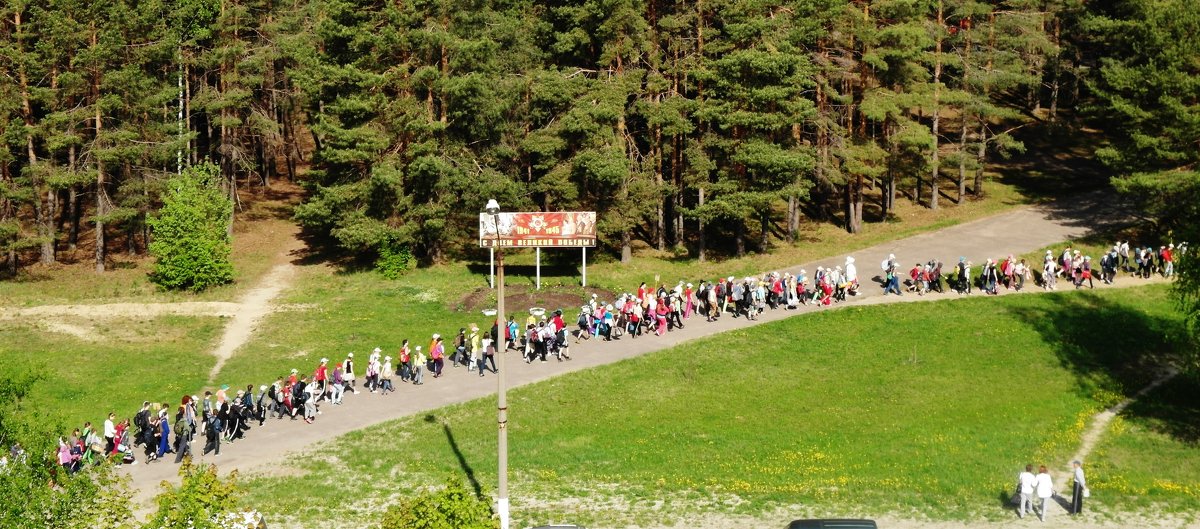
{"x": 1044, "y": 487}
{"x": 1025, "y": 483}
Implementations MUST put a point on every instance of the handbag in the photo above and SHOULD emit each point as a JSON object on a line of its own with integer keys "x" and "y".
{"x": 1087, "y": 493}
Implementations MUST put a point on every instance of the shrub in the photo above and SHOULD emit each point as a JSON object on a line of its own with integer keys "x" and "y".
{"x": 394, "y": 260}
{"x": 191, "y": 242}
{"x": 454, "y": 507}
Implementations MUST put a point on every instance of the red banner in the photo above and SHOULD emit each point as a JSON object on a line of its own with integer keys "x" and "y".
{"x": 572, "y": 229}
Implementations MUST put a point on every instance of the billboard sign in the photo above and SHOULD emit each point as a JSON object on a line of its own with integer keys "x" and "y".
{"x": 572, "y": 229}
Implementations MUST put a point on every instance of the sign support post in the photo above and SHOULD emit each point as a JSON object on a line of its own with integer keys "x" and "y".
{"x": 539, "y": 267}
{"x": 492, "y": 267}
{"x": 585, "y": 266}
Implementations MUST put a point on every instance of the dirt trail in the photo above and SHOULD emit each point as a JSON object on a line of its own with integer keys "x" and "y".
{"x": 124, "y": 310}
{"x": 1099, "y": 425}
{"x": 251, "y": 309}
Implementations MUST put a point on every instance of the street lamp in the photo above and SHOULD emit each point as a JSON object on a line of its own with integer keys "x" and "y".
{"x": 493, "y": 209}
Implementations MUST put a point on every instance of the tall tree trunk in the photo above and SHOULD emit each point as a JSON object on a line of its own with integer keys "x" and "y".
{"x": 937, "y": 109}
{"x": 764, "y": 235}
{"x": 1055, "y": 67}
{"x": 701, "y": 240}
{"x": 740, "y": 236}
{"x": 962, "y": 159}
{"x": 42, "y": 209}
{"x": 660, "y": 226}
{"x": 980, "y": 158}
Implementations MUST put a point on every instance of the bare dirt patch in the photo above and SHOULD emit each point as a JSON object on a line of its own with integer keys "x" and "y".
{"x": 520, "y": 298}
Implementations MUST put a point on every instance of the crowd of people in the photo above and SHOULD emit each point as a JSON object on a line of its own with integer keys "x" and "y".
{"x": 1013, "y": 273}
{"x": 160, "y": 429}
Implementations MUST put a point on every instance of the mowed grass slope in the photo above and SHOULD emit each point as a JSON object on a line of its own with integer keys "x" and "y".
{"x": 124, "y": 362}
{"x": 922, "y": 408}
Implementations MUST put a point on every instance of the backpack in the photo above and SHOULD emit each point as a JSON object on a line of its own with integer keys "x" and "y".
{"x": 142, "y": 420}
{"x": 884, "y": 265}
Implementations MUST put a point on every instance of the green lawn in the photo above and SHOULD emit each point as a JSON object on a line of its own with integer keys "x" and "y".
{"x": 1149, "y": 457}
{"x": 927, "y": 407}
{"x": 126, "y": 361}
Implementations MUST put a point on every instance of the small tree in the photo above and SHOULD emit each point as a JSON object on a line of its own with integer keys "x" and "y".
{"x": 191, "y": 242}
{"x": 202, "y": 501}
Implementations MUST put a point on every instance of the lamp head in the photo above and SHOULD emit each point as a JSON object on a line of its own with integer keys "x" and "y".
{"x": 492, "y": 207}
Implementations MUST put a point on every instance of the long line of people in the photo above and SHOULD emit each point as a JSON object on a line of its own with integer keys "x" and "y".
{"x": 227, "y": 415}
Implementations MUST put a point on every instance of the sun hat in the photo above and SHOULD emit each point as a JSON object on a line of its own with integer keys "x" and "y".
{"x": 436, "y": 336}
{"x": 689, "y": 285}
{"x": 294, "y": 371}
{"x": 388, "y": 358}
{"x": 849, "y": 259}
{"x": 224, "y": 387}
{"x": 350, "y": 355}
{"x": 377, "y": 350}
{"x": 324, "y": 360}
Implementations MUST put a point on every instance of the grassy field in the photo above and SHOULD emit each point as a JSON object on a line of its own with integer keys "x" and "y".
{"x": 923, "y": 408}
{"x": 1148, "y": 458}
{"x": 125, "y": 362}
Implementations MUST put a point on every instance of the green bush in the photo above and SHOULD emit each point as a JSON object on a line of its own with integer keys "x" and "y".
{"x": 191, "y": 242}
{"x": 394, "y": 260}
{"x": 454, "y": 507}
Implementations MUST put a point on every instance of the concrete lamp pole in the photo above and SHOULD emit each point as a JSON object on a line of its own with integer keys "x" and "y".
{"x": 493, "y": 209}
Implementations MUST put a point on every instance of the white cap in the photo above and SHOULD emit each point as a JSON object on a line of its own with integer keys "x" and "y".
{"x": 849, "y": 259}
{"x": 349, "y": 355}
{"x": 891, "y": 256}
{"x": 377, "y": 350}
{"x": 294, "y": 371}
{"x": 436, "y": 336}
{"x": 324, "y": 360}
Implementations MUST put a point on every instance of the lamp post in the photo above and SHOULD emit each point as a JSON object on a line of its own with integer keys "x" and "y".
{"x": 493, "y": 209}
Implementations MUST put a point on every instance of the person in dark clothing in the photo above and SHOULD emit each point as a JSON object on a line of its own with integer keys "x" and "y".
{"x": 212, "y": 435}
{"x": 183, "y": 437}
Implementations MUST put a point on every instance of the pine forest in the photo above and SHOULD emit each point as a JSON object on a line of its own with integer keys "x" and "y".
{"x": 716, "y": 127}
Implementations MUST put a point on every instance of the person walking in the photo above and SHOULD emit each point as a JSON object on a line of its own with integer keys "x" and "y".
{"x": 418, "y": 367}
{"x": 437, "y": 351}
{"x": 891, "y": 279}
{"x": 212, "y": 438}
{"x": 405, "y": 362}
{"x": 385, "y": 377}
{"x": 183, "y": 437}
{"x": 348, "y": 367}
{"x": 1025, "y": 484}
{"x": 1079, "y": 489}
{"x": 1044, "y": 486}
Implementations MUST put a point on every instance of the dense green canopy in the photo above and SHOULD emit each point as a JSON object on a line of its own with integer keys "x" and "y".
{"x": 680, "y": 122}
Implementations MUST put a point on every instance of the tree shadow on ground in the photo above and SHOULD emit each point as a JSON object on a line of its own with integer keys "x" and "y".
{"x": 1173, "y": 409}
{"x": 1114, "y": 347}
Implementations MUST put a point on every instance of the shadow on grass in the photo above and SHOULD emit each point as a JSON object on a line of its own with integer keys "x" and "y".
{"x": 1172, "y": 409}
{"x": 462, "y": 460}
{"x": 1117, "y": 348}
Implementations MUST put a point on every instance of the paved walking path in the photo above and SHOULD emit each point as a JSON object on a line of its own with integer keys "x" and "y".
{"x": 1016, "y": 232}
